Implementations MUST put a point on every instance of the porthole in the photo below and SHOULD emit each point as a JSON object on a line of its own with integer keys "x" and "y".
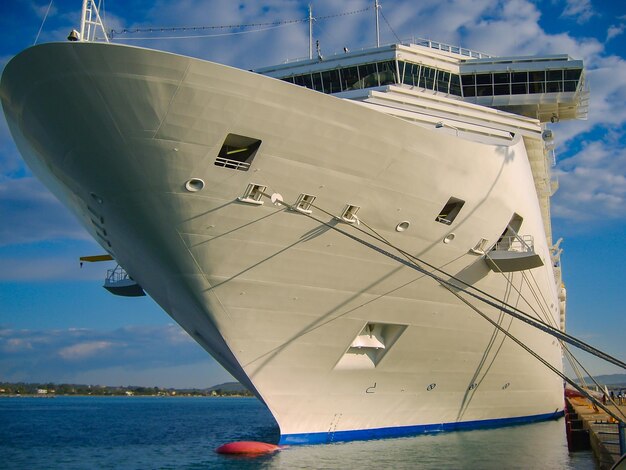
{"x": 449, "y": 238}
{"x": 194, "y": 185}
{"x": 402, "y": 226}
{"x": 431, "y": 387}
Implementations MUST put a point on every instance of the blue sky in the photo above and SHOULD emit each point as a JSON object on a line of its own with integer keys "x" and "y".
{"x": 58, "y": 324}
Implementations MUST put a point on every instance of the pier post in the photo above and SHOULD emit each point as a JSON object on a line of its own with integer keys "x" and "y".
{"x": 621, "y": 427}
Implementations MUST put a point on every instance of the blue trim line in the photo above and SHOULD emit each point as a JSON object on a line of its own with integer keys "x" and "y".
{"x": 379, "y": 433}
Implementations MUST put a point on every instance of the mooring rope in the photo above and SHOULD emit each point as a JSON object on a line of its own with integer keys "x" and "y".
{"x": 487, "y": 299}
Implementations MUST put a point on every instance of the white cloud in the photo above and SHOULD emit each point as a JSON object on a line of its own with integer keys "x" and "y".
{"x": 30, "y": 213}
{"x": 593, "y": 183}
{"x": 614, "y": 31}
{"x": 85, "y": 350}
{"x": 44, "y": 8}
{"x": 580, "y": 10}
{"x": 131, "y": 354}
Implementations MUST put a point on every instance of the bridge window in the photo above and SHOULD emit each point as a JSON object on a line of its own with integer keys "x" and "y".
{"x": 427, "y": 78}
{"x": 443, "y": 81}
{"x": 410, "y": 74}
{"x": 455, "y": 85}
{"x": 501, "y": 83}
{"x": 369, "y": 76}
{"x": 387, "y": 73}
{"x": 317, "y": 81}
{"x": 304, "y": 80}
{"x": 520, "y": 83}
{"x": 469, "y": 85}
{"x": 331, "y": 81}
{"x": 484, "y": 85}
{"x": 349, "y": 77}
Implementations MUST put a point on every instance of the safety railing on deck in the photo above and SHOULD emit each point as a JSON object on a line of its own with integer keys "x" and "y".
{"x": 522, "y": 244}
{"x": 116, "y": 275}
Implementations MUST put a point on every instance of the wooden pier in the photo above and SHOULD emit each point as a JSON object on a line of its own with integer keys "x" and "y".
{"x": 590, "y": 427}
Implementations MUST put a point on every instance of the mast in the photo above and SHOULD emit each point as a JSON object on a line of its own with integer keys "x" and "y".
{"x": 83, "y": 18}
{"x": 376, "y": 7}
{"x": 90, "y": 21}
{"x": 310, "y": 31}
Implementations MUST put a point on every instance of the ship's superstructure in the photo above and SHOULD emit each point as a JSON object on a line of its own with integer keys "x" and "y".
{"x": 276, "y": 215}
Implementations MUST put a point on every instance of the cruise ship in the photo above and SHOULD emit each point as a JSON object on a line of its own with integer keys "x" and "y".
{"x": 346, "y": 234}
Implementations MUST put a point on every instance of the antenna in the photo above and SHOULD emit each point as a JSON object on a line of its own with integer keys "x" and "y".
{"x": 310, "y": 31}
{"x": 90, "y": 21}
{"x": 376, "y": 8}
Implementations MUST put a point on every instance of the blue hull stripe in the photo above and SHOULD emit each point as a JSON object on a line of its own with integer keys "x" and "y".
{"x": 379, "y": 433}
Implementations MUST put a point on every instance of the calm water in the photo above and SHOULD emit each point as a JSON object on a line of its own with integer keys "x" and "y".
{"x": 147, "y": 433}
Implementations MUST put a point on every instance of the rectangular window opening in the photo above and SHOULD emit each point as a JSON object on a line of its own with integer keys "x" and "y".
{"x": 237, "y": 152}
{"x": 450, "y": 211}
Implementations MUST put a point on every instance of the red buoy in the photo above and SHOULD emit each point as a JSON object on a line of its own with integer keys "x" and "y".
{"x": 247, "y": 448}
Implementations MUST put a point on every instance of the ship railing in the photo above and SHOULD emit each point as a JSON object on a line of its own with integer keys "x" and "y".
{"x": 232, "y": 164}
{"x": 448, "y": 48}
{"x": 115, "y": 275}
{"x": 440, "y": 46}
{"x": 517, "y": 243}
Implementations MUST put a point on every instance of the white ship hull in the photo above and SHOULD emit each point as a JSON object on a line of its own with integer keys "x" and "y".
{"x": 274, "y": 295}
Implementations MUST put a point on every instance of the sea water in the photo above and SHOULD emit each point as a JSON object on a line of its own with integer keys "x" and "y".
{"x": 167, "y": 432}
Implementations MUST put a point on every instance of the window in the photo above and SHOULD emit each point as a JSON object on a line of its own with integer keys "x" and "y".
{"x": 331, "y": 81}
{"x": 443, "y": 81}
{"x": 237, "y": 152}
{"x": 450, "y": 211}
{"x": 317, "y": 82}
{"x": 350, "y": 78}
{"x": 537, "y": 81}
{"x": 427, "y": 78}
{"x": 501, "y": 83}
{"x": 469, "y": 85}
{"x": 369, "y": 75}
{"x": 572, "y": 74}
{"x": 484, "y": 84}
{"x": 410, "y": 73}
{"x": 455, "y": 85}
{"x": 387, "y": 73}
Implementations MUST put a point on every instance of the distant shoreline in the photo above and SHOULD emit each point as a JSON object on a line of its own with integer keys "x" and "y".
{"x": 20, "y": 389}
{"x": 122, "y": 396}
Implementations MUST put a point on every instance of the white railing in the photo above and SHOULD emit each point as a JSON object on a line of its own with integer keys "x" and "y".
{"x": 521, "y": 244}
{"x": 408, "y": 42}
{"x": 116, "y": 275}
{"x": 449, "y": 48}
{"x": 232, "y": 164}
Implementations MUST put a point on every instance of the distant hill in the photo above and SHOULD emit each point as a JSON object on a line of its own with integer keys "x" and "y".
{"x": 228, "y": 387}
{"x": 610, "y": 379}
